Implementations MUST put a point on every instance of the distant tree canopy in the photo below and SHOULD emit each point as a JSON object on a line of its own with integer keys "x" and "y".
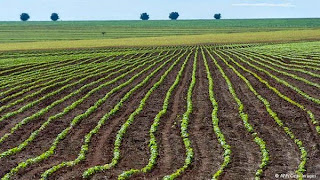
{"x": 217, "y": 16}
{"x": 54, "y": 17}
{"x": 24, "y": 17}
{"x": 144, "y": 16}
{"x": 174, "y": 15}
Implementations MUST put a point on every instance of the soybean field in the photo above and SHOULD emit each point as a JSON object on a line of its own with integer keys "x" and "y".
{"x": 233, "y": 111}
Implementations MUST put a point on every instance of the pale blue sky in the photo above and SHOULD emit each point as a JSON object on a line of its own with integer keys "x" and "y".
{"x": 158, "y": 9}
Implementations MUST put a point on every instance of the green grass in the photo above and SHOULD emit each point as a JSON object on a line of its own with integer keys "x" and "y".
{"x": 82, "y": 30}
{"x": 248, "y": 37}
{"x": 77, "y": 34}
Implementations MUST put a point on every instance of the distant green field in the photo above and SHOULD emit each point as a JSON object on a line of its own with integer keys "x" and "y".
{"x": 85, "y": 30}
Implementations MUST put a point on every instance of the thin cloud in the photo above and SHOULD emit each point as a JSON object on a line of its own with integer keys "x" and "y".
{"x": 265, "y": 5}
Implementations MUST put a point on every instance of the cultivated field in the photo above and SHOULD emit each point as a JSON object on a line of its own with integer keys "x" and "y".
{"x": 239, "y": 111}
{"x": 88, "y": 34}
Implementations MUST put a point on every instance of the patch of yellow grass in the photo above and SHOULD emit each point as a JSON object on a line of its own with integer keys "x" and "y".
{"x": 248, "y": 37}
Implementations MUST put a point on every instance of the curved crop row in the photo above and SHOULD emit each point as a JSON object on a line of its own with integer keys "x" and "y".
{"x": 185, "y": 124}
{"x": 64, "y": 76}
{"x": 125, "y": 126}
{"x": 43, "y": 66}
{"x": 73, "y": 106}
{"x": 245, "y": 118}
{"x": 282, "y": 66}
{"x": 24, "y": 82}
{"x": 274, "y": 58}
{"x": 305, "y": 95}
{"x": 295, "y": 59}
{"x": 84, "y": 74}
{"x": 294, "y": 76}
{"x": 28, "y": 80}
{"x": 309, "y": 112}
{"x": 303, "y": 157}
{"x": 215, "y": 121}
{"x": 85, "y": 146}
{"x": 153, "y": 141}
{"x": 30, "y": 75}
{"x": 46, "y": 109}
{"x": 48, "y": 84}
{"x": 76, "y": 121}
{"x": 48, "y": 65}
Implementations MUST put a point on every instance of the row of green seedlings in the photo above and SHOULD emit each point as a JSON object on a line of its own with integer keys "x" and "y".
{"x": 117, "y": 144}
{"x": 54, "y": 53}
{"x": 283, "y": 66}
{"x": 303, "y": 157}
{"x": 304, "y": 55}
{"x": 215, "y": 121}
{"x": 66, "y": 110}
{"x": 69, "y": 77}
{"x": 43, "y": 67}
{"x": 47, "y": 77}
{"x": 32, "y": 76}
{"x": 290, "y": 58}
{"x": 60, "y": 77}
{"x": 274, "y": 58}
{"x": 47, "y": 82}
{"x": 77, "y": 120}
{"x": 52, "y": 70}
{"x": 86, "y": 75}
{"x": 291, "y": 62}
{"x": 51, "y": 66}
{"x": 245, "y": 118}
{"x": 71, "y": 54}
{"x": 153, "y": 141}
{"x": 294, "y": 76}
{"x": 305, "y": 95}
{"x": 85, "y": 146}
{"x": 309, "y": 112}
{"x": 46, "y": 109}
{"x": 184, "y": 125}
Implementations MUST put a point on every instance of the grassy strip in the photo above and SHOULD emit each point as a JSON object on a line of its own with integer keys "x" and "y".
{"x": 309, "y": 112}
{"x": 74, "y": 123}
{"x": 245, "y": 118}
{"x": 153, "y": 141}
{"x": 223, "y": 38}
{"x": 116, "y": 151}
{"x": 184, "y": 125}
{"x": 303, "y": 157}
{"x": 215, "y": 121}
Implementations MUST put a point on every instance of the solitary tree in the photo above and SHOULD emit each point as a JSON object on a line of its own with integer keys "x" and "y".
{"x": 24, "y": 17}
{"x": 217, "y": 16}
{"x": 54, "y": 17}
{"x": 144, "y": 16}
{"x": 174, "y": 15}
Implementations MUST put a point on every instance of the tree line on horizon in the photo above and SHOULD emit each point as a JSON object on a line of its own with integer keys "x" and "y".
{"x": 143, "y": 16}
{"x": 173, "y": 16}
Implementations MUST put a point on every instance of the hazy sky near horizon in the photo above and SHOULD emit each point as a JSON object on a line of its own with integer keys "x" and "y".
{"x": 40, "y": 10}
